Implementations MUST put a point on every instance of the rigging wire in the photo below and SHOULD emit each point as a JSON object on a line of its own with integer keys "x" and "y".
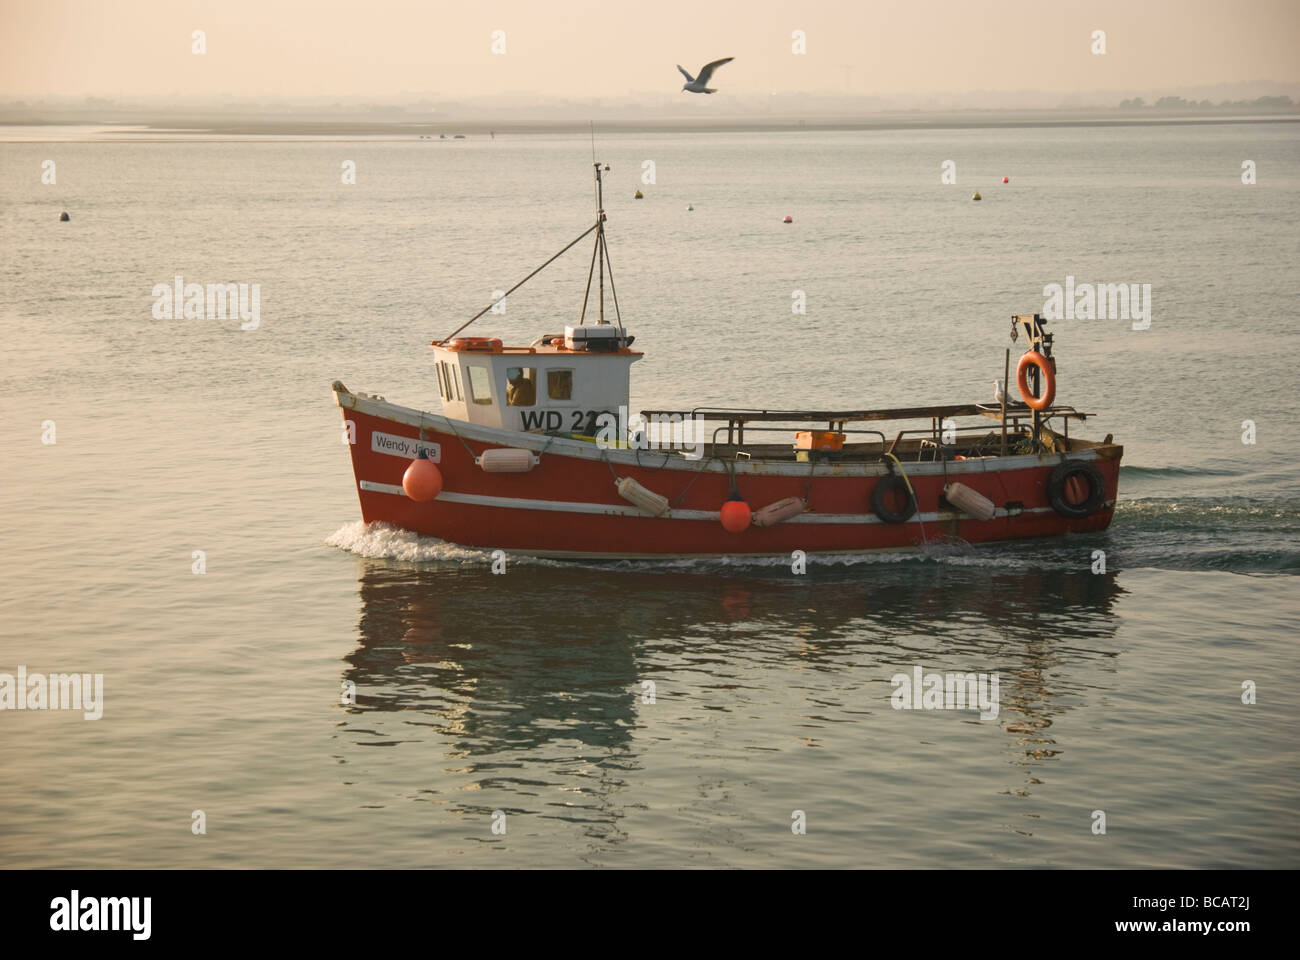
{"x": 520, "y": 283}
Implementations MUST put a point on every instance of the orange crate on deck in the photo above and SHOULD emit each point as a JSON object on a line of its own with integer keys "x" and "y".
{"x": 818, "y": 440}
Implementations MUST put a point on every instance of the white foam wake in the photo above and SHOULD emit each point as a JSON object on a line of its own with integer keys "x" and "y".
{"x": 382, "y": 541}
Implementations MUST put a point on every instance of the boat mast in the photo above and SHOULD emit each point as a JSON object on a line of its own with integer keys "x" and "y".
{"x": 600, "y": 261}
{"x": 600, "y": 237}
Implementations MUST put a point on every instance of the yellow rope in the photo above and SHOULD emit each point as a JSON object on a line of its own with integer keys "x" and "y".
{"x": 903, "y": 473}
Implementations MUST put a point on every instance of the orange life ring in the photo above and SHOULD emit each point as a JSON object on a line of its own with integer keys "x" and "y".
{"x": 485, "y": 344}
{"x": 1046, "y": 369}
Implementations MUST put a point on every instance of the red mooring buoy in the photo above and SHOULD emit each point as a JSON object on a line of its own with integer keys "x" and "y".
{"x": 422, "y": 480}
{"x": 735, "y": 516}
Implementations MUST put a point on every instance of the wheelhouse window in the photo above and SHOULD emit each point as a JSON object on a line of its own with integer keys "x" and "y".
{"x": 447, "y": 386}
{"x": 559, "y": 384}
{"x": 521, "y": 386}
{"x": 480, "y": 384}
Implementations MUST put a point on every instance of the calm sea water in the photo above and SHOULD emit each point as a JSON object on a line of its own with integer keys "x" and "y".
{"x": 525, "y": 693}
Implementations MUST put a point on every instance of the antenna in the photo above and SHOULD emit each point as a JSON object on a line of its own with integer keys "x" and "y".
{"x": 595, "y": 164}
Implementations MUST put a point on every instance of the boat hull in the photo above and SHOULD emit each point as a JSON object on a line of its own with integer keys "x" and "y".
{"x": 568, "y": 505}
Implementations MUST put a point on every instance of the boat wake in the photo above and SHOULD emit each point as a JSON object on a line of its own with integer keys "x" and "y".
{"x": 382, "y": 541}
{"x": 1133, "y": 472}
{"x": 1236, "y": 535}
{"x": 1232, "y": 534}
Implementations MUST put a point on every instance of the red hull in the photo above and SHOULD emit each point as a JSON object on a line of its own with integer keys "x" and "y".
{"x": 568, "y": 506}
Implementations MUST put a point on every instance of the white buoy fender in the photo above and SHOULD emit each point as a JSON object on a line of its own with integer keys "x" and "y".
{"x": 969, "y": 502}
{"x": 507, "y": 460}
{"x": 780, "y": 511}
{"x": 631, "y": 491}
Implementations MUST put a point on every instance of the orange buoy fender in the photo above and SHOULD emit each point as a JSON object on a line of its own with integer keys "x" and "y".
{"x": 652, "y": 503}
{"x": 735, "y": 516}
{"x": 422, "y": 480}
{"x": 507, "y": 460}
{"x": 780, "y": 511}
{"x": 969, "y": 502}
{"x": 1047, "y": 369}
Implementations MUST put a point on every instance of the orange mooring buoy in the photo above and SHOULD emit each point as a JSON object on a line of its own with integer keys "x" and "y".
{"x": 735, "y": 516}
{"x": 1006, "y": 179}
{"x": 422, "y": 480}
{"x": 788, "y": 219}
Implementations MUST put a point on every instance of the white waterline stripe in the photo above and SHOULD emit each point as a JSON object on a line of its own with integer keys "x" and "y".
{"x": 617, "y": 510}
{"x": 373, "y": 487}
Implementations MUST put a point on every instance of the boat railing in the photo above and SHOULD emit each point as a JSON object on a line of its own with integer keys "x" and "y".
{"x": 1013, "y": 417}
{"x": 975, "y": 440}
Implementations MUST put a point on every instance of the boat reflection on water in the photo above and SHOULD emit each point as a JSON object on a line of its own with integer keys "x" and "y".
{"x": 531, "y": 683}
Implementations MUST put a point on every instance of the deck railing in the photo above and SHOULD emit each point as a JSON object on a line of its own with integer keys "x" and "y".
{"x": 1012, "y": 419}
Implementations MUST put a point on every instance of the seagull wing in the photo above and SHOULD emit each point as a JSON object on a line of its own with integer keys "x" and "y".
{"x": 689, "y": 78}
{"x": 706, "y": 71}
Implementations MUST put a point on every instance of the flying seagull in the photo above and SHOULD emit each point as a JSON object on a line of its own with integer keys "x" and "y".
{"x": 700, "y": 84}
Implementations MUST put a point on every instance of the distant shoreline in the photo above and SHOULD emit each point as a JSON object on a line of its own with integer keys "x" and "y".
{"x": 172, "y": 128}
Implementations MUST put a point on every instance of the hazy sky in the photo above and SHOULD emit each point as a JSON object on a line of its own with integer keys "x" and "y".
{"x": 581, "y": 49}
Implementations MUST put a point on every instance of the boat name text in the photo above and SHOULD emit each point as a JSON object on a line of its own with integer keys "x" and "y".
{"x": 407, "y": 447}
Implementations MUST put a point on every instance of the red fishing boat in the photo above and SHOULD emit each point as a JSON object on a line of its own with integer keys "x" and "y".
{"x": 535, "y": 452}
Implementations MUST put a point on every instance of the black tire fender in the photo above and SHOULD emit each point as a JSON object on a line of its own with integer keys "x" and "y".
{"x": 885, "y": 486}
{"x": 1056, "y": 489}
